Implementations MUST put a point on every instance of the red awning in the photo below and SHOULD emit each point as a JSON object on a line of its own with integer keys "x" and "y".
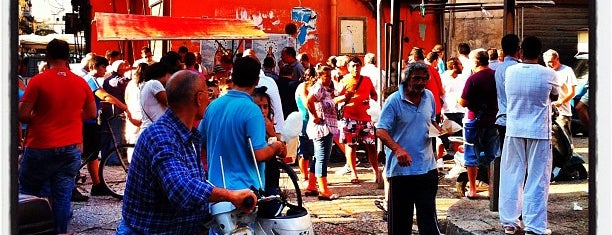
{"x": 112, "y": 26}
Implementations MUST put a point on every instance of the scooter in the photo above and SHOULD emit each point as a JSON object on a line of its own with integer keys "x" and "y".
{"x": 567, "y": 165}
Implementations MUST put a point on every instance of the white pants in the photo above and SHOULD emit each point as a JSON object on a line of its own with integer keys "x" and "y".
{"x": 522, "y": 156}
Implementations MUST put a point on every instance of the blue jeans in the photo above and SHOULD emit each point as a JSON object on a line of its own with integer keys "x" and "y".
{"x": 117, "y": 125}
{"x": 485, "y": 140}
{"x": 322, "y": 151}
{"x": 57, "y": 167}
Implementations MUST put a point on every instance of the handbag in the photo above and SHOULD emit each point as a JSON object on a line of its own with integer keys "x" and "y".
{"x": 340, "y": 110}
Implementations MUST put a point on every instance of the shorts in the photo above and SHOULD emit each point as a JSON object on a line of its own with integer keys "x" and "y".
{"x": 356, "y": 132}
{"x": 305, "y": 147}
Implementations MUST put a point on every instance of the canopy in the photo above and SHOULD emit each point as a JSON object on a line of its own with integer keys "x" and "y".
{"x": 113, "y": 26}
{"x": 40, "y": 42}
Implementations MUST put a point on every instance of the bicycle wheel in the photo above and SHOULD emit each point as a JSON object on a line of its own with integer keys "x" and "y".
{"x": 114, "y": 168}
{"x": 289, "y": 188}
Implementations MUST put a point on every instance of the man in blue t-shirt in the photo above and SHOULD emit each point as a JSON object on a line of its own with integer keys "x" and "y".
{"x": 233, "y": 126}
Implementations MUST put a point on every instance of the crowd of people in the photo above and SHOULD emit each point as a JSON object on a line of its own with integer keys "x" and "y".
{"x": 198, "y": 133}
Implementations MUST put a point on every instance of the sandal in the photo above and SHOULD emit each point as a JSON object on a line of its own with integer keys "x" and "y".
{"x": 380, "y": 205}
{"x": 355, "y": 181}
{"x": 333, "y": 196}
{"x": 311, "y": 193}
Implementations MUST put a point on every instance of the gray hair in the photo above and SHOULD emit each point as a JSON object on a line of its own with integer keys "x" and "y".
{"x": 415, "y": 66}
{"x": 182, "y": 87}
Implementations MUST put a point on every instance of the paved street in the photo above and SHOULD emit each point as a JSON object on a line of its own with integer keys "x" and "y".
{"x": 355, "y": 213}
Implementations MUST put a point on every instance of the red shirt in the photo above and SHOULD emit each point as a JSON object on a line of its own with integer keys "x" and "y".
{"x": 435, "y": 86}
{"x": 360, "y": 101}
{"x": 58, "y": 97}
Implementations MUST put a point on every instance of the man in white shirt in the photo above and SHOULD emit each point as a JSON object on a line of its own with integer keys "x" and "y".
{"x": 567, "y": 82}
{"x": 370, "y": 70}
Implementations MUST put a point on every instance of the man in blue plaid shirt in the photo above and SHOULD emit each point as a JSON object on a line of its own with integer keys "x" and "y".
{"x": 166, "y": 190}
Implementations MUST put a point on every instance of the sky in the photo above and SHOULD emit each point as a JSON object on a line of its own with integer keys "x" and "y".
{"x": 42, "y": 9}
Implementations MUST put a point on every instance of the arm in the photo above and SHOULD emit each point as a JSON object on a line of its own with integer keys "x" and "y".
{"x": 162, "y": 98}
{"x": 236, "y": 197}
{"x": 403, "y": 158}
{"x": 273, "y": 149}
{"x": 310, "y": 104}
{"x": 462, "y": 102}
{"x": 90, "y": 110}
{"x": 373, "y": 93}
{"x": 567, "y": 98}
{"x": 24, "y": 112}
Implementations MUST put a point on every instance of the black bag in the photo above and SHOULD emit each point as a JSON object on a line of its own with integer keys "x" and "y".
{"x": 34, "y": 215}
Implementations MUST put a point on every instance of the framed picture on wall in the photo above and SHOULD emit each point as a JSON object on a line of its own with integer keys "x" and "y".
{"x": 351, "y": 35}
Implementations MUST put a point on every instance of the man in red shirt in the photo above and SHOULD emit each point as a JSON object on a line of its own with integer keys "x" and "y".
{"x": 54, "y": 105}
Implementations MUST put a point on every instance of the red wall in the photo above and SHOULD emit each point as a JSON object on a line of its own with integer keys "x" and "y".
{"x": 325, "y": 28}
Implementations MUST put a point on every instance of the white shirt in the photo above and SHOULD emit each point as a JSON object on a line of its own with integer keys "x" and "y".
{"x": 151, "y": 108}
{"x": 132, "y": 100}
{"x": 528, "y": 89}
{"x": 275, "y": 99}
{"x": 453, "y": 88}
{"x": 567, "y": 80}
{"x": 467, "y": 65}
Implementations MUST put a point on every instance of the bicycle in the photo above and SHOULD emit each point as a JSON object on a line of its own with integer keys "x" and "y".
{"x": 112, "y": 175}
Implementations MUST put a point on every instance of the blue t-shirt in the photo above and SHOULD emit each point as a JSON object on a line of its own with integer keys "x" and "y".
{"x": 228, "y": 122}
{"x": 408, "y": 125}
{"x": 93, "y": 84}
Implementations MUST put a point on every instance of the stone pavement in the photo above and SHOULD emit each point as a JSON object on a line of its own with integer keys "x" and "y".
{"x": 355, "y": 213}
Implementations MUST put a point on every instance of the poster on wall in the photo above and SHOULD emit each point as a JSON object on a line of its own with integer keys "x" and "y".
{"x": 209, "y": 48}
{"x": 272, "y": 46}
{"x": 352, "y": 36}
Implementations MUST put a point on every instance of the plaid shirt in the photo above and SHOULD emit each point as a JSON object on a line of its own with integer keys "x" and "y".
{"x": 166, "y": 190}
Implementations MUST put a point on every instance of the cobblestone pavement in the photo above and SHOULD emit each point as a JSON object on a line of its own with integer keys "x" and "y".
{"x": 353, "y": 213}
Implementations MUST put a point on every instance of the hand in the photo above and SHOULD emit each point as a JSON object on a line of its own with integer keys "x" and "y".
{"x": 403, "y": 158}
{"x": 282, "y": 150}
{"x": 557, "y": 103}
{"x": 318, "y": 120}
{"x": 238, "y": 197}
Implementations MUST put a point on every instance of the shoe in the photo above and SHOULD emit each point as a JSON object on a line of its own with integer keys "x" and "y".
{"x": 322, "y": 197}
{"x": 380, "y": 204}
{"x": 311, "y": 193}
{"x": 385, "y": 216}
{"x": 509, "y": 229}
{"x": 546, "y": 232}
{"x": 78, "y": 196}
{"x": 344, "y": 171}
{"x": 99, "y": 190}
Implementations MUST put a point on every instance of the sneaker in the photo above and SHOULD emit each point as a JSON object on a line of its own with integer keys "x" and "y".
{"x": 509, "y": 229}
{"x": 78, "y": 196}
{"x": 546, "y": 232}
{"x": 344, "y": 171}
{"x": 99, "y": 190}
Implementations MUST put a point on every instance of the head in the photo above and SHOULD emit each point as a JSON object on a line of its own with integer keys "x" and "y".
{"x": 246, "y": 72}
{"x": 342, "y": 63}
{"x": 262, "y": 99}
{"x": 551, "y": 58}
{"x": 416, "y": 54}
{"x": 269, "y": 63}
{"x": 288, "y": 55}
{"x": 414, "y": 78}
{"x": 113, "y": 55}
{"x": 182, "y": 51}
{"x": 438, "y": 48}
{"x": 173, "y": 60}
{"x": 158, "y": 71}
{"x": 354, "y": 66}
{"x": 432, "y": 58}
{"x": 331, "y": 61}
{"x": 138, "y": 74}
{"x": 190, "y": 60}
{"x": 304, "y": 60}
{"x": 58, "y": 52}
{"x": 531, "y": 48}
{"x": 120, "y": 66}
{"x": 87, "y": 60}
{"x": 250, "y": 53}
{"x": 480, "y": 57}
{"x": 369, "y": 58}
{"x": 98, "y": 65}
{"x": 455, "y": 64}
{"x": 185, "y": 90}
{"x": 464, "y": 48}
{"x": 226, "y": 62}
{"x": 310, "y": 75}
{"x": 145, "y": 52}
{"x": 493, "y": 54}
{"x": 324, "y": 75}
{"x": 510, "y": 45}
